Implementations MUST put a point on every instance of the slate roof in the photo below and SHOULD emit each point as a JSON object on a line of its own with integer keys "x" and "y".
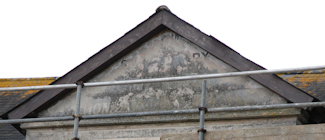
{"x": 312, "y": 82}
{"x": 10, "y": 99}
{"x": 8, "y": 132}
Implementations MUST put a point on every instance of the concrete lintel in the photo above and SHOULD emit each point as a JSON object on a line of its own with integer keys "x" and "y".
{"x": 170, "y": 118}
{"x": 153, "y": 130}
{"x": 300, "y": 132}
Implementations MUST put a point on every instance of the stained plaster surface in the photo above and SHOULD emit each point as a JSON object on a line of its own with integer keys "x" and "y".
{"x": 165, "y": 55}
{"x": 153, "y": 130}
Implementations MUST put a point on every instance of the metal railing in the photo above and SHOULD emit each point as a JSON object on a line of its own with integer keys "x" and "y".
{"x": 202, "y": 109}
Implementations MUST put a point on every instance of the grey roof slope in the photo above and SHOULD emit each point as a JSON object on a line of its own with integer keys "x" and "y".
{"x": 11, "y": 99}
{"x": 312, "y": 82}
{"x": 8, "y": 132}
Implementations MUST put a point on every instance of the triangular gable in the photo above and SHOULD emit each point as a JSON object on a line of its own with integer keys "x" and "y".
{"x": 159, "y": 21}
{"x": 165, "y": 55}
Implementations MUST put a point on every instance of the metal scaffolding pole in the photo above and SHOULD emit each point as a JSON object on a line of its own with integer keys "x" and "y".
{"x": 29, "y": 120}
{"x": 171, "y": 112}
{"x": 77, "y": 114}
{"x": 202, "y": 109}
{"x": 167, "y": 79}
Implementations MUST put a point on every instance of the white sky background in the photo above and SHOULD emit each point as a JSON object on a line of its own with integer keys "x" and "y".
{"x": 49, "y": 38}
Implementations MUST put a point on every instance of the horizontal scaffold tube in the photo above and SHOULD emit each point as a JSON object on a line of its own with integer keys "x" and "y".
{"x": 47, "y": 119}
{"x": 166, "y": 79}
{"x": 173, "y": 112}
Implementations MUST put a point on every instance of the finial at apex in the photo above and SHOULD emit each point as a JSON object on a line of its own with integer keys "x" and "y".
{"x": 162, "y": 7}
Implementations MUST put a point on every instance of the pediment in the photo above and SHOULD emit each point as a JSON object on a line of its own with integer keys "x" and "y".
{"x": 145, "y": 32}
{"x": 166, "y": 55}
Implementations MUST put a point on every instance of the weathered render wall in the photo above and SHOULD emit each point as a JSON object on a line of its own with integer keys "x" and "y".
{"x": 165, "y": 55}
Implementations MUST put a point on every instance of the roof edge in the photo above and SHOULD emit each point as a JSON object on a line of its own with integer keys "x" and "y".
{"x": 93, "y": 65}
{"x": 234, "y": 59}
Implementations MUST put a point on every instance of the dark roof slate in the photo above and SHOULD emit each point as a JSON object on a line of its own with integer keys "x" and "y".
{"x": 11, "y": 99}
{"x": 312, "y": 82}
{"x": 8, "y": 132}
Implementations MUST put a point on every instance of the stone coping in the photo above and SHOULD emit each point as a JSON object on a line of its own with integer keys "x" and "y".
{"x": 299, "y": 132}
{"x": 169, "y": 118}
